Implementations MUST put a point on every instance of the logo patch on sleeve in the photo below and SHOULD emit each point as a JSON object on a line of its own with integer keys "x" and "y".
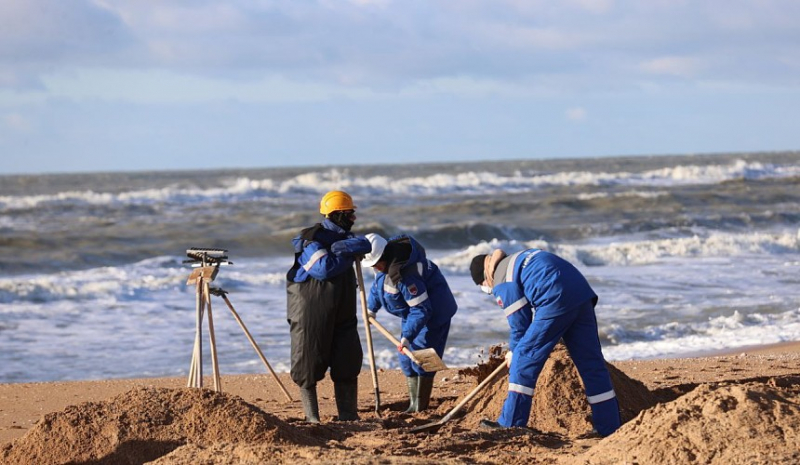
{"x": 500, "y": 302}
{"x": 413, "y": 289}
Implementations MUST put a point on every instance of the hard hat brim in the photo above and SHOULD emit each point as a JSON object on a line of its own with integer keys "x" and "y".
{"x": 378, "y": 246}
{"x": 370, "y": 261}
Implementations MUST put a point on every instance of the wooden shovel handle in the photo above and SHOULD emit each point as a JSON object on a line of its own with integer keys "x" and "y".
{"x": 393, "y": 339}
{"x": 474, "y": 392}
{"x": 365, "y": 313}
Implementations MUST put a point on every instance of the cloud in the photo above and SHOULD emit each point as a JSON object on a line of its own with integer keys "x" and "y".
{"x": 673, "y": 66}
{"x": 594, "y": 6}
{"x": 392, "y": 46}
{"x": 576, "y": 114}
{"x": 16, "y": 122}
{"x": 39, "y": 36}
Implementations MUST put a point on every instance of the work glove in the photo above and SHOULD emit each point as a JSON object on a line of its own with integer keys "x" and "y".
{"x": 352, "y": 247}
{"x": 403, "y": 343}
{"x": 509, "y": 355}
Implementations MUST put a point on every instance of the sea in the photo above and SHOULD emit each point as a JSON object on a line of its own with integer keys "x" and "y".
{"x": 689, "y": 254}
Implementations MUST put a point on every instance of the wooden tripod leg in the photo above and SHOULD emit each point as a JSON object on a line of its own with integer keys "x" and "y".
{"x": 190, "y": 381}
{"x": 212, "y": 340}
{"x": 255, "y": 346}
{"x": 196, "y": 368}
{"x": 193, "y": 365}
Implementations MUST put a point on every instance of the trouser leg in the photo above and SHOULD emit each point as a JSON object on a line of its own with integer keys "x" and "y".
{"x": 346, "y": 353}
{"x": 430, "y": 337}
{"x": 583, "y": 344}
{"x": 529, "y": 358}
{"x": 407, "y": 366}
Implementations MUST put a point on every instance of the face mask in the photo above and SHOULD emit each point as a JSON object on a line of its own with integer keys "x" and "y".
{"x": 344, "y": 220}
{"x": 486, "y": 290}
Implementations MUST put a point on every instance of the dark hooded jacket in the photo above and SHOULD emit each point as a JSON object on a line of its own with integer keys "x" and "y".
{"x": 321, "y": 308}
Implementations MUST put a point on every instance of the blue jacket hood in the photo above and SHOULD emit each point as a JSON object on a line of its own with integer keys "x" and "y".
{"x": 326, "y": 233}
{"x": 417, "y": 250}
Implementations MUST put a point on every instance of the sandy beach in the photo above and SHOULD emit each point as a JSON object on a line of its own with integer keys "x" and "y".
{"x": 741, "y": 407}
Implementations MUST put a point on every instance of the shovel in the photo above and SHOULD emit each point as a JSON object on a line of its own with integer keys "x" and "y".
{"x": 372, "y": 366}
{"x": 427, "y": 359}
{"x": 434, "y": 426}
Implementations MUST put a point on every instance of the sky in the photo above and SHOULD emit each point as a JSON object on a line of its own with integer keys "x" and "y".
{"x": 121, "y": 85}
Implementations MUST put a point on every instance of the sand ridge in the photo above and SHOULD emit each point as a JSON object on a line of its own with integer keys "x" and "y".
{"x": 146, "y": 423}
{"x": 740, "y": 409}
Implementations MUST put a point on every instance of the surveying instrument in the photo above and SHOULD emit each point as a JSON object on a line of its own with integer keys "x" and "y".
{"x": 206, "y": 263}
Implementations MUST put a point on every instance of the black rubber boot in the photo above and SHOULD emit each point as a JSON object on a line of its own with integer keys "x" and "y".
{"x": 310, "y": 405}
{"x": 413, "y": 394}
{"x": 346, "y": 400}
{"x": 424, "y": 392}
{"x": 489, "y": 425}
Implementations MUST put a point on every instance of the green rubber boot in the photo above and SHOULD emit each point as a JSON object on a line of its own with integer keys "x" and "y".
{"x": 346, "y": 400}
{"x": 310, "y": 405}
{"x": 413, "y": 394}
{"x": 424, "y": 392}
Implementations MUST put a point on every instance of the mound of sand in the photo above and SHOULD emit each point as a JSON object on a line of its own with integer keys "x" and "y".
{"x": 559, "y": 401}
{"x": 146, "y": 423}
{"x": 731, "y": 424}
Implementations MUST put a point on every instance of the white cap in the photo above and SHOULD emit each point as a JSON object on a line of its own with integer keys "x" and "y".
{"x": 378, "y": 244}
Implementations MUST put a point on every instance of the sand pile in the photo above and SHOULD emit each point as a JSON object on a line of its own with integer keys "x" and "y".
{"x": 732, "y": 424}
{"x": 144, "y": 424}
{"x": 559, "y": 401}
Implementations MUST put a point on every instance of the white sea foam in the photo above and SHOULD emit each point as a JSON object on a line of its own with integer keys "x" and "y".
{"x": 719, "y": 333}
{"x": 475, "y": 183}
{"x": 121, "y": 282}
{"x": 631, "y": 251}
{"x": 621, "y": 195}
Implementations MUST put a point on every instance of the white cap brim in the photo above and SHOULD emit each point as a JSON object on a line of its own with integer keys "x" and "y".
{"x": 378, "y": 246}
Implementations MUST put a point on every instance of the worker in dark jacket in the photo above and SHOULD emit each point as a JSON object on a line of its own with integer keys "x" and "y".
{"x": 410, "y": 286}
{"x": 545, "y": 299}
{"x": 321, "y": 307}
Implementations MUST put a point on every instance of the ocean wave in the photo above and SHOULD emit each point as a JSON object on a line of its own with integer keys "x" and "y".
{"x": 130, "y": 282}
{"x": 618, "y": 195}
{"x": 719, "y": 333}
{"x": 142, "y": 280}
{"x": 634, "y": 252}
{"x": 310, "y": 185}
{"x": 713, "y": 244}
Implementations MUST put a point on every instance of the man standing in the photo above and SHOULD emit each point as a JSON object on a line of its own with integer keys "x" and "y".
{"x": 412, "y": 287}
{"x": 545, "y": 299}
{"x": 321, "y": 307}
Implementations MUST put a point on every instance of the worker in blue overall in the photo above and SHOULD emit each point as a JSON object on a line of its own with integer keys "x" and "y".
{"x": 411, "y": 286}
{"x": 546, "y": 299}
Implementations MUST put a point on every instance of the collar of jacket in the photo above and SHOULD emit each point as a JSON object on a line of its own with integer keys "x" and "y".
{"x": 501, "y": 269}
{"x": 502, "y": 273}
{"x": 331, "y": 226}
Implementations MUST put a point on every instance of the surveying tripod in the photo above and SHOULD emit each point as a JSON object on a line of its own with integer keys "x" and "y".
{"x": 206, "y": 263}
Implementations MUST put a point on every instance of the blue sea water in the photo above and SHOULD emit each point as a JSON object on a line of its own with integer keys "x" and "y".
{"x": 688, "y": 254}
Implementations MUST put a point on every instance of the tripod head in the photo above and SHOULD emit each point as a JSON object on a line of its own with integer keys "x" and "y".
{"x": 202, "y": 256}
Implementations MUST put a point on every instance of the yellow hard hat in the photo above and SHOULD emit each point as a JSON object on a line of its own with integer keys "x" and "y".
{"x": 335, "y": 201}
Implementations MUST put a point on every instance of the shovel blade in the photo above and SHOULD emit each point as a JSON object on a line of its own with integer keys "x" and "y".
{"x": 429, "y": 360}
{"x": 428, "y": 427}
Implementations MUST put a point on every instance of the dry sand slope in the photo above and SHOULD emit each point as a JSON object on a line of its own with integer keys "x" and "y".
{"x": 726, "y": 410}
